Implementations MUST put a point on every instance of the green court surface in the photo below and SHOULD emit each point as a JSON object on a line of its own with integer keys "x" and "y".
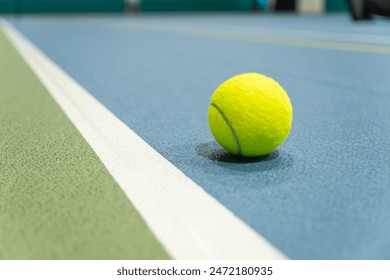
{"x": 57, "y": 200}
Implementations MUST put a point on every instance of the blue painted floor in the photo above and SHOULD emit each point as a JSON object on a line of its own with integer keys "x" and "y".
{"x": 325, "y": 193}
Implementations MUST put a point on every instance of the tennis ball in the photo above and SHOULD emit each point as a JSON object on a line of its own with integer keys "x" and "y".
{"x": 250, "y": 115}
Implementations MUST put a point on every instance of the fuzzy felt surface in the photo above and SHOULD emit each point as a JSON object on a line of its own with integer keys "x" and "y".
{"x": 257, "y": 111}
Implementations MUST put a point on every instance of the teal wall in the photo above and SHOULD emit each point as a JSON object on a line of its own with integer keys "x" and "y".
{"x": 195, "y": 5}
{"x": 6, "y": 6}
{"x": 63, "y": 6}
{"x": 60, "y": 6}
{"x": 336, "y": 5}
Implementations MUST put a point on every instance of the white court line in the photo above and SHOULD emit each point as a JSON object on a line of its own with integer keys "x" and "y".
{"x": 188, "y": 222}
{"x": 261, "y": 38}
{"x": 233, "y": 29}
{"x": 335, "y": 36}
{"x": 263, "y": 35}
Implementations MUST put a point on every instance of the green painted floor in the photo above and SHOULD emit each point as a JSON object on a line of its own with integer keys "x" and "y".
{"x": 57, "y": 200}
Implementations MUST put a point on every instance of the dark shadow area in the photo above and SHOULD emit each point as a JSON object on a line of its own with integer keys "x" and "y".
{"x": 222, "y": 158}
{"x": 213, "y": 151}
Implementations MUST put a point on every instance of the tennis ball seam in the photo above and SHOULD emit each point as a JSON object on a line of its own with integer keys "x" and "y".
{"x": 230, "y": 126}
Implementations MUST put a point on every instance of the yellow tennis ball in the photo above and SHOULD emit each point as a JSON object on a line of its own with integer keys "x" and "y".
{"x": 250, "y": 115}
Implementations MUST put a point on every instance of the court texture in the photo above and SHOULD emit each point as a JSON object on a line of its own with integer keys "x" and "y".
{"x": 106, "y": 153}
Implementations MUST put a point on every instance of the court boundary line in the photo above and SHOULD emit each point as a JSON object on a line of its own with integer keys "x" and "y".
{"x": 289, "y": 37}
{"x": 342, "y": 37}
{"x": 188, "y": 222}
{"x": 261, "y": 38}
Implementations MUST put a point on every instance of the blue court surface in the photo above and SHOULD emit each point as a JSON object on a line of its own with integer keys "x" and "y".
{"x": 325, "y": 192}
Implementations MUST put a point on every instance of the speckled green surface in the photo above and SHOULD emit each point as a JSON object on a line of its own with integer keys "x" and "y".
{"x": 57, "y": 200}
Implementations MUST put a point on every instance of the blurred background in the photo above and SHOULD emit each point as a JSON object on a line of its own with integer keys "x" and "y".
{"x": 145, "y": 6}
